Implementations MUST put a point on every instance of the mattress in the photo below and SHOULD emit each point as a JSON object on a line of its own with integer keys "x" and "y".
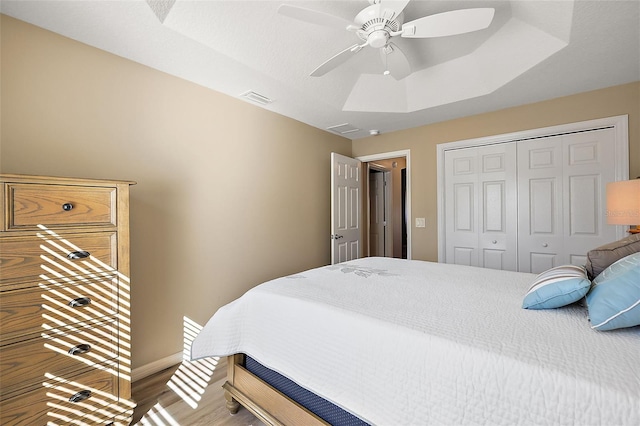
{"x": 322, "y": 408}
{"x": 411, "y": 342}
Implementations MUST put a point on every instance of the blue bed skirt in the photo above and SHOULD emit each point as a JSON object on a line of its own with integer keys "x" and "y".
{"x": 326, "y": 410}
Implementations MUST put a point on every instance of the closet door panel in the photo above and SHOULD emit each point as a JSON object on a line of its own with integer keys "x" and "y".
{"x": 584, "y": 203}
{"x": 540, "y": 262}
{"x": 497, "y": 197}
{"x": 480, "y": 191}
{"x": 494, "y": 201}
{"x": 461, "y": 207}
{"x": 543, "y": 206}
{"x": 494, "y": 259}
{"x": 463, "y": 204}
{"x": 540, "y": 235}
{"x": 588, "y": 167}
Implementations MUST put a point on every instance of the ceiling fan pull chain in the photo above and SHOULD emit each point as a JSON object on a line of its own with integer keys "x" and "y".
{"x": 386, "y": 60}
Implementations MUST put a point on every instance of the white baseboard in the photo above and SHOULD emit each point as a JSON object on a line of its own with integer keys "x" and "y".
{"x": 155, "y": 366}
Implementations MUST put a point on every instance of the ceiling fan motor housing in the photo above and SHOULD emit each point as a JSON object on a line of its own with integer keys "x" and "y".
{"x": 376, "y": 29}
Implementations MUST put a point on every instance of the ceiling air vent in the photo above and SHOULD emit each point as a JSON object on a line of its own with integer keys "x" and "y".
{"x": 343, "y": 129}
{"x": 256, "y": 98}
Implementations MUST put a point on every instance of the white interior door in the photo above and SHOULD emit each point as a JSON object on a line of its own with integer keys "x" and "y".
{"x": 562, "y": 198}
{"x": 377, "y": 213}
{"x": 346, "y": 208}
{"x": 588, "y": 167}
{"x": 540, "y": 195}
{"x": 461, "y": 206}
{"x": 480, "y": 194}
{"x": 498, "y": 226}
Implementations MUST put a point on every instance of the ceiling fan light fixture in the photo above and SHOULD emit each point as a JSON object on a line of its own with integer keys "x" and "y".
{"x": 378, "y": 39}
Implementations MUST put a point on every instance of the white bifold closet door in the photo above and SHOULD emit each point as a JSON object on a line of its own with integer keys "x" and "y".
{"x": 480, "y": 194}
{"x": 529, "y": 205}
{"x": 561, "y": 198}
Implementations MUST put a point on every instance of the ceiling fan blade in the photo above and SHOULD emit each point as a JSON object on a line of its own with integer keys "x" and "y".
{"x": 336, "y": 60}
{"x": 396, "y": 61}
{"x": 389, "y": 9}
{"x": 449, "y": 23}
{"x": 314, "y": 17}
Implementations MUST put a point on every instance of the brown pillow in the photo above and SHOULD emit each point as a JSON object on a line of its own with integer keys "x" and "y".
{"x": 600, "y": 258}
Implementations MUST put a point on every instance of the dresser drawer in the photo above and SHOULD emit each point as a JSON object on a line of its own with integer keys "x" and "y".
{"x": 31, "y": 205}
{"x": 23, "y": 311}
{"x": 25, "y": 259}
{"x": 24, "y": 365}
{"x": 50, "y": 404}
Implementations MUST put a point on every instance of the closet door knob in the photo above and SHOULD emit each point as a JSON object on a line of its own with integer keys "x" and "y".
{"x": 67, "y": 206}
{"x": 494, "y": 242}
{"x": 545, "y": 245}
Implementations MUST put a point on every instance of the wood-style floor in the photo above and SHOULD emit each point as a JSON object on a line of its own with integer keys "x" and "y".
{"x": 183, "y": 396}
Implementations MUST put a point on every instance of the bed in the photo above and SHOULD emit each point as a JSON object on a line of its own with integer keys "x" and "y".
{"x": 402, "y": 342}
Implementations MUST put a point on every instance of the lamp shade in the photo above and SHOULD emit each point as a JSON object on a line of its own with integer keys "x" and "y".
{"x": 623, "y": 202}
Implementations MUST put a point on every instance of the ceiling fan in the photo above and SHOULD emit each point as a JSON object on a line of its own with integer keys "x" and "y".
{"x": 382, "y": 20}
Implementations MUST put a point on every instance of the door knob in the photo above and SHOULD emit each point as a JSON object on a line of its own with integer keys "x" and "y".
{"x": 545, "y": 245}
{"x": 494, "y": 242}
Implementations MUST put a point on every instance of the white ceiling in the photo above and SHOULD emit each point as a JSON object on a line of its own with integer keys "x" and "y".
{"x": 532, "y": 51}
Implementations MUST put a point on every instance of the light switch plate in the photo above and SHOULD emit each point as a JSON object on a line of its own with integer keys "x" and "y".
{"x": 421, "y": 222}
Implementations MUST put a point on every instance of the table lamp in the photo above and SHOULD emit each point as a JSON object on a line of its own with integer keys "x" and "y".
{"x": 623, "y": 204}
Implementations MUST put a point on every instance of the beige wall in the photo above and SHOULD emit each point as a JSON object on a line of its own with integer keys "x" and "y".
{"x": 422, "y": 141}
{"x": 228, "y": 194}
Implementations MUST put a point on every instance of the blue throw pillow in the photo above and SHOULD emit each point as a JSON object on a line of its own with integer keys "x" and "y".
{"x": 614, "y": 300}
{"x": 556, "y": 287}
{"x": 619, "y": 267}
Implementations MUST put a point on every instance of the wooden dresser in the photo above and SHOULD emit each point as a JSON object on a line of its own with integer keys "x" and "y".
{"x": 64, "y": 301}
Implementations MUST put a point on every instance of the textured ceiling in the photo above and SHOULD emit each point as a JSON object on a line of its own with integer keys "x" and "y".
{"x": 532, "y": 51}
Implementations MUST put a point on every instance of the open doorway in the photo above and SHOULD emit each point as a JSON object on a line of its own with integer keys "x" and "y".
{"x": 386, "y": 232}
{"x": 380, "y": 216}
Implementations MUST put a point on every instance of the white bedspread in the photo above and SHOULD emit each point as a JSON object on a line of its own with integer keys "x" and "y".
{"x": 399, "y": 342}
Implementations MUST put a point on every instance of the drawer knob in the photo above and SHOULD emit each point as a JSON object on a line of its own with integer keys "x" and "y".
{"x": 78, "y": 255}
{"x": 80, "y": 396}
{"x": 67, "y": 206}
{"x": 79, "y": 302}
{"x": 80, "y": 349}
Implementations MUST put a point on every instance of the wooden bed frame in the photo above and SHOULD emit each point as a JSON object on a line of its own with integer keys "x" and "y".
{"x": 262, "y": 400}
